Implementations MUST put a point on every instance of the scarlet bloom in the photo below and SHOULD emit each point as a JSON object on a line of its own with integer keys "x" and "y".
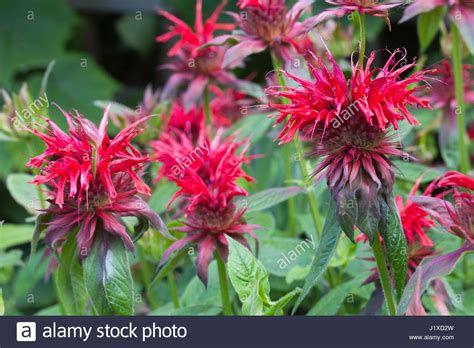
{"x": 207, "y": 182}
{"x": 455, "y": 218}
{"x": 266, "y": 24}
{"x": 194, "y": 66}
{"x": 93, "y": 182}
{"x": 378, "y": 96}
{"x": 370, "y": 7}
{"x": 348, "y": 123}
{"x": 461, "y": 13}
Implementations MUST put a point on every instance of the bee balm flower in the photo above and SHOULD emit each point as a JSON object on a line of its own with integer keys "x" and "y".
{"x": 93, "y": 182}
{"x": 207, "y": 191}
{"x": 348, "y": 122}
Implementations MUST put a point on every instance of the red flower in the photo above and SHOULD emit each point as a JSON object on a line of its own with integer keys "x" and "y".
{"x": 348, "y": 125}
{"x": 369, "y": 7}
{"x": 266, "y": 24}
{"x": 414, "y": 219}
{"x": 195, "y": 66}
{"x": 228, "y": 106}
{"x": 461, "y": 13}
{"x": 85, "y": 156}
{"x": 456, "y": 218}
{"x": 378, "y": 96}
{"x": 207, "y": 190}
{"x": 93, "y": 182}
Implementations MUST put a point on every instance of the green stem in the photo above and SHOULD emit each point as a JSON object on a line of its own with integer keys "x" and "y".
{"x": 173, "y": 290}
{"x": 223, "y": 286}
{"x": 147, "y": 276}
{"x": 316, "y": 217}
{"x": 362, "y": 39}
{"x": 459, "y": 88}
{"x": 207, "y": 106}
{"x": 384, "y": 276}
{"x": 287, "y": 160}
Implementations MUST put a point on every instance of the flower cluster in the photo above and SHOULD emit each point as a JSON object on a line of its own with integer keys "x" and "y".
{"x": 206, "y": 172}
{"x": 93, "y": 181}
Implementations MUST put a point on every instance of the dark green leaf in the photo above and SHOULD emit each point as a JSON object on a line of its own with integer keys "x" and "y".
{"x": 329, "y": 304}
{"x": 69, "y": 280}
{"x": 395, "y": 244}
{"x": 268, "y": 198}
{"x": 428, "y": 24}
{"x": 138, "y": 31}
{"x": 326, "y": 248}
{"x": 250, "y": 280}
{"x": 40, "y": 226}
{"x": 107, "y": 277}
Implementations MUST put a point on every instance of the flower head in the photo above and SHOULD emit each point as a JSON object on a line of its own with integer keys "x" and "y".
{"x": 266, "y": 24}
{"x": 378, "y": 96}
{"x": 93, "y": 182}
{"x": 207, "y": 181}
{"x": 456, "y": 218}
{"x": 348, "y": 122}
{"x": 195, "y": 65}
{"x": 370, "y": 7}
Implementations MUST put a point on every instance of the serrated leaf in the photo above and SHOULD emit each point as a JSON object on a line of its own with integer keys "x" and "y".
{"x": 327, "y": 246}
{"x": 268, "y": 198}
{"x": 428, "y": 24}
{"x": 14, "y": 234}
{"x": 329, "y": 304}
{"x": 107, "y": 277}
{"x": 395, "y": 244}
{"x": 69, "y": 279}
{"x": 249, "y": 278}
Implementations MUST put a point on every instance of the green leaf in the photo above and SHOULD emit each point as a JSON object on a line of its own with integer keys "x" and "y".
{"x": 14, "y": 234}
{"x": 326, "y": 248}
{"x": 69, "y": 280}
{"x": 250, "y": 280}
{"x": 411, "y": 171}
{"x": 75, "y": 83}
{"x": 161, "y": 196}
{"x": 197, "y": 310}
{"x": 329, "y": 304}
{"x": 40, "y": 226}
{"x": 162, "y": 272}
{"x": 23, "y": 192}
{"x": 32, "y": 33}
{"x": 12, "y": 258}
{"x": 196, "y": 293}
{"x": 428, "y": 24}
{"x": 138, "y": 32}
{"x": 108, "y": 278}
{"x": 268, "y": 198}
{"x": 252, "y": 126}
{"x": 2, "y": 306}
{"x": 395, "y": 244}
